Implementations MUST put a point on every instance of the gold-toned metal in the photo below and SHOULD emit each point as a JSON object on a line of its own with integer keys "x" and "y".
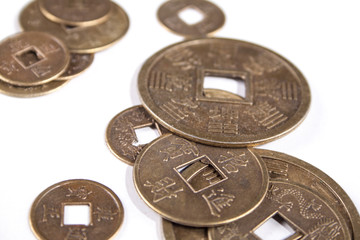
{"x": 76, "y": 12}
{"x": 47, "y": 211}
{"x": 173, "y": 231}
{"x": 32, "y": 58}
{"x": 171, "y": 86}
{"x": 287, "y": 169}
{"x": 213, "y": 17}
{"x": 120, "y": 133}
{"x": 33, "y": 91}
{"x": 199, "y": 185}
{"x": 78, "y": 64}
{"x": 79, "y": 39}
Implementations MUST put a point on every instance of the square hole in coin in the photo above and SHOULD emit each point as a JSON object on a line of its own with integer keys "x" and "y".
{"x": 145, "y": 135}
{"x": 191, "y": 15}
{"x": 230, "y": 87}
{"x": 275, "y": 228}
{"x": 77, "y": 214}
{"x": 29, "y": 57}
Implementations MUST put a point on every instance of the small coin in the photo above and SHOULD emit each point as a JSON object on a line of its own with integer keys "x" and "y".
{"x": 33, "y": 91}
{"x": 47, "y": 212}
{"x": 120, "y": 134}
{"x": 78, "y": 64}
{"x": 79, "y": 39}
{"x": 173, "y": 231}
{"x": 32, "y": 58}
{"x": 212, "y": 17}
{"x": 76, "y": 12}
{"x": 199, "y": 185}
{"x": 171, "y": 86}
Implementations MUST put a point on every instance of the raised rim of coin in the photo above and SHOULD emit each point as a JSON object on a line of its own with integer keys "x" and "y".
{"x": 78, "y": 64}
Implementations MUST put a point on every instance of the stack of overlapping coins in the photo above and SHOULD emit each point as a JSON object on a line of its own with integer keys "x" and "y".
{"x": 58, "y": 43}
{"x": 202, "y": 174}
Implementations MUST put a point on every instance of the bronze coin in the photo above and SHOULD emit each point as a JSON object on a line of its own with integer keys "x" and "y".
{"x": 199, "y": 185}
{"x": 32, "y": 58}
{"x": 171, "y": 86}
{"x": 78, "y": 64}
{"x": 212, "y": 17}
{"x": 32, "y": 91}
{"x": 47, "y": 211}
{"x": 79, "y": 39}
{"x": 76, "y": 12}
{"x": 120, "y": 133}
{"x": 173, "y": 231}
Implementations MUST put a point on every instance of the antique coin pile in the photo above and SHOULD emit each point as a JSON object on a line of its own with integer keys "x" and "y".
{"x": 202, "y": 174}
{"x": 58, "y": 43}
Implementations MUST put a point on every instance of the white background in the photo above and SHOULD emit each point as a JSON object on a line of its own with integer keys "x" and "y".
{"x": 61, "y": 136}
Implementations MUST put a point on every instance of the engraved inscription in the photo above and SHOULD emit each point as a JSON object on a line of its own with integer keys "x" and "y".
{"x": 41, "y": 71}
{"x": 18, "y": 45}
{"x": 179, "y": 147}
{"x": 163, "y": 189}
{"x": 186, "y": 59}
{"x": 169, "y": 82}
{"x": 223, "y": 120}
{"x": 50, "y": 212}
{"x": 277, "y": 90}
{"x": 9, "y": 67}
{"x": 261, "y": 63}
{"x": 325, "y": 229}
{"x": 233, "y": 161}
{"x": 223, "y": 56}
{"x": 104, "y": 214}
{"x": 180, "y": 109}
{"x": 81, "y": 193}
{"x": 231, "y": 231}
{"x": 217, "y": 201}
{"x": 277, "y": 169}
{"x": 49, "y": 48}
{"x": 77, "y": 233}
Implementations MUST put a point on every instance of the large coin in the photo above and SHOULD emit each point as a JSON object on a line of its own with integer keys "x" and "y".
{"x": 32, "y": 58}
{"x": 171, "y": 85}
{"x": 79, "y": 39}
{"x": 199, "y": 185}
{"x": 47, "y": 212}
{"x": 76, "y": 12}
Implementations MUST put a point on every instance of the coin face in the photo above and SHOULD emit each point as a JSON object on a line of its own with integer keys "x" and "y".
{"x": 199, "y": 185}
{"x": 212, "y": 17}
{"x": 76, "y": 12}
{"x": 171, "y": 86}
{"x": 47, "y": 212}
{"x": 79, "y": 39}
{"x": 32, "y": 58}
{"x": 308, "y": 215}
{"x": 78, "y": 64}
{"x": 32, "y": 91}
{"x": 121, "y": 137}
{"x": 173, "y": 231}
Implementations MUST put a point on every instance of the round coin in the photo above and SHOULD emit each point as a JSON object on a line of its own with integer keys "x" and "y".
{"x": 212, "y": 17}
{"x": 47, "y": 215}
{"x": 32, "y": 91}
{"x": 78, "y": 64}
{"x": 173, "y": 231}
{"x": 199, "y": 185}
{"x": 307, "y": 214}
{"x": 76, "y": 12}
{"x": 32, "y": 58}
{"x": 171, "y": 86}
{"x": 79, "y": 39}
{"x": 120, "y": 133}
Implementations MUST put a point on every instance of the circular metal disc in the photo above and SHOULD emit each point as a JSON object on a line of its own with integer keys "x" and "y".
{"x": 76, "y": 12}
{"x": 78, "y": 64}
{"x": 47, "y": 211}
{"x": 79, "y": 39}
{"x": 32, "y": 58}
{"x": 213, "y": 17}
{"x": 171, "y": 86}
{"x": 199, "y": 185}
{"x": 173, "y": 231}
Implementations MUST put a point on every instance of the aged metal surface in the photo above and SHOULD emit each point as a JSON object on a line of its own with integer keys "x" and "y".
{"x": 213, "y": 17}
{"x": 32, "y": 58}
{"x": 78, "y": 64}
{"x": 120, "y": 133}
{"x": 79, "y": 39}
{"x": 76, "y": 12}
{"x": 173, "y": 231}
{"x": 171, "y": 87}
{"x": 33, "y": 91}
{"x": 47, "y": 211}
{"x": 199, "y": 185}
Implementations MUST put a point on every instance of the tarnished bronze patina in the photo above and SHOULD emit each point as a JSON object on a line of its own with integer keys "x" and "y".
{"x": 213, "y": 17}
{"x": 171, "y": 87}
{"x": 79, "y": 39}
{"x": 173, "y": 231}
{"x": 120, "y": 133}
{"x": 47, "y": 211}
{"x": 199, "y": 185}
{"x": 78, "y": 64}
{"x": 76, "y": 12}
{"x": 32, "y": 58}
